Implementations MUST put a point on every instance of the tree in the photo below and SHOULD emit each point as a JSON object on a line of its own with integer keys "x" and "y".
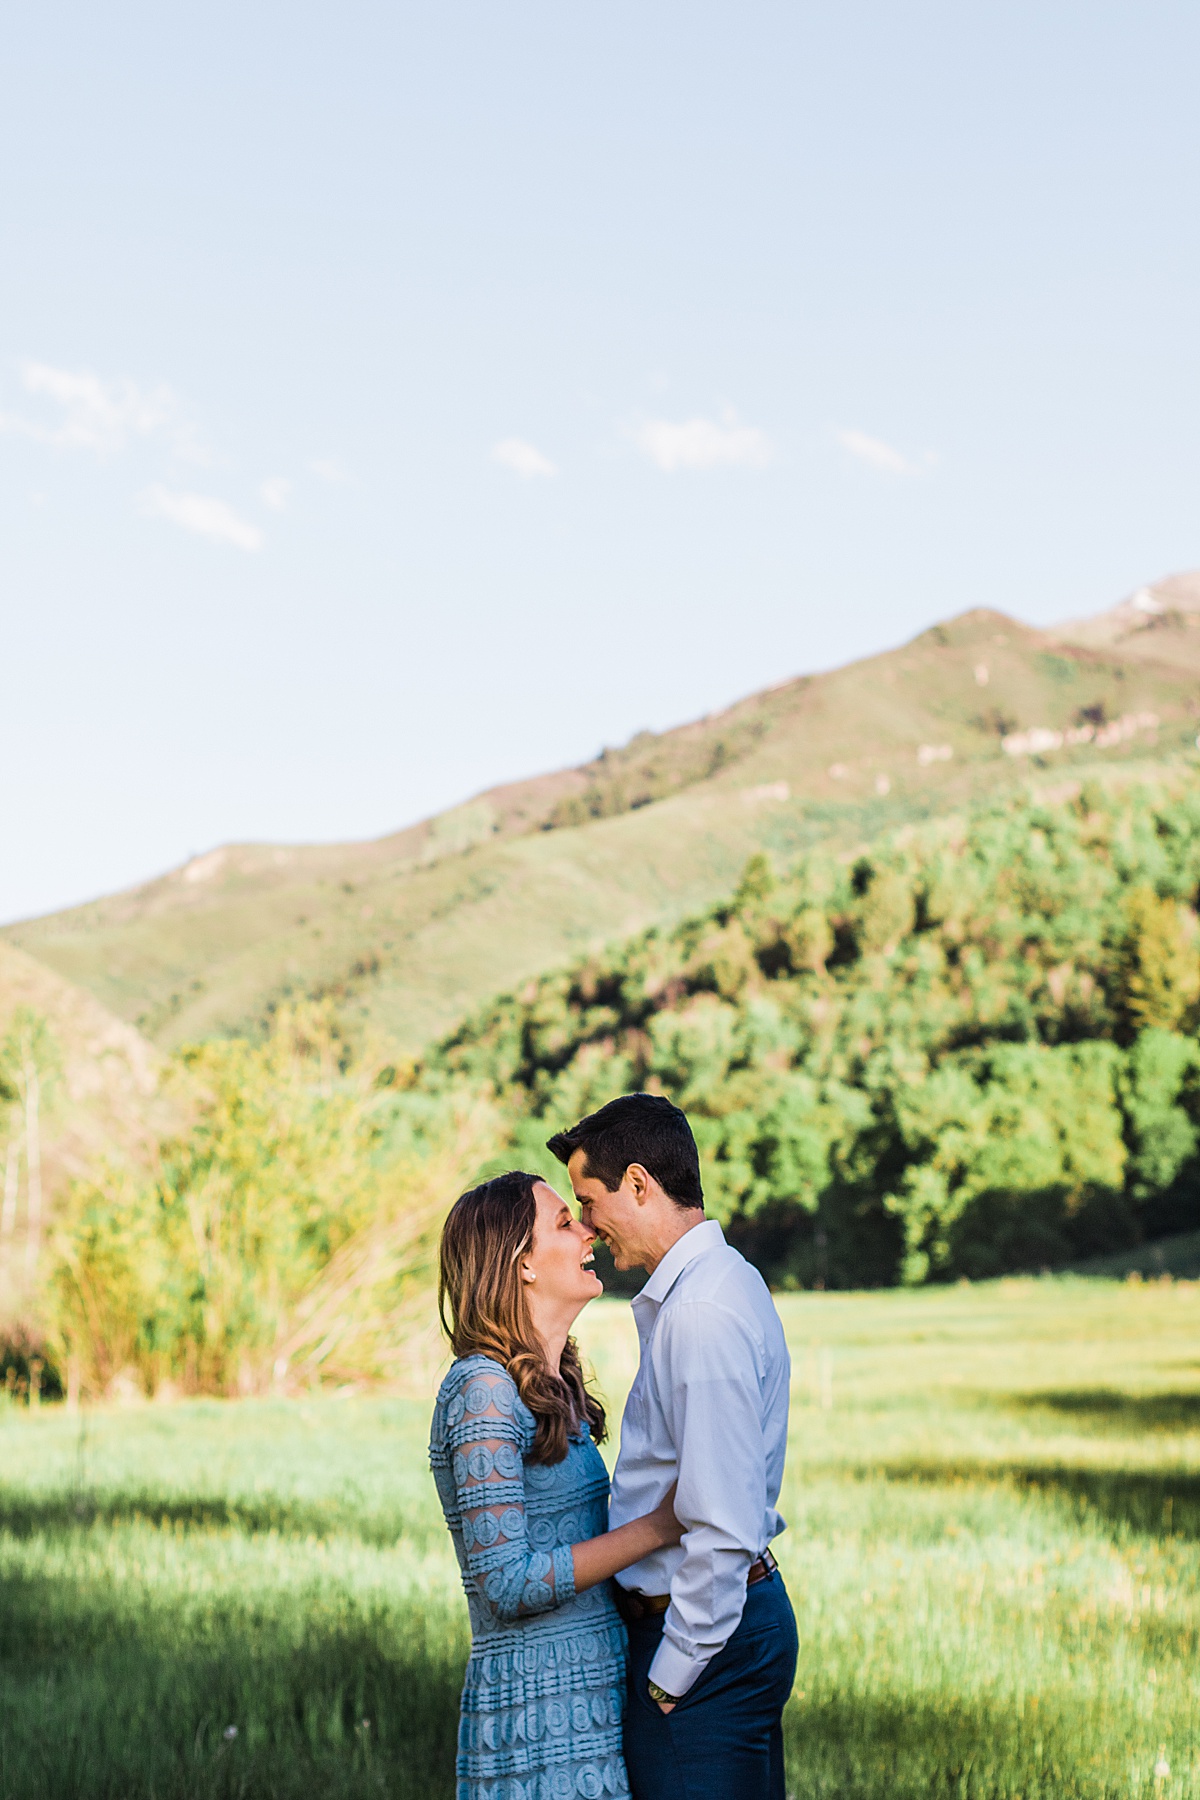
{"x": 28, "y": 1058}
{"x": 12, "y": 1163}
{"x": 1158, "y": 969}
{"x": 927, "y": 1053}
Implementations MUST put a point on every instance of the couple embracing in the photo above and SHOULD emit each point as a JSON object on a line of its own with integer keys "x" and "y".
{"x": 640, "y": 1642}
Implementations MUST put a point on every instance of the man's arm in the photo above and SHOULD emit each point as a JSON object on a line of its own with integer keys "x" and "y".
{"x": 707, "y": 1368}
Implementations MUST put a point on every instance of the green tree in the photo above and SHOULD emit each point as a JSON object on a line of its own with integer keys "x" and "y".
{"x": 1160, "y": 1090}
{"x": 1159, "y": 971}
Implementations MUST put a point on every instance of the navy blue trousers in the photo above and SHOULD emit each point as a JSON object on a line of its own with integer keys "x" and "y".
{"x": 724, "y": 1740}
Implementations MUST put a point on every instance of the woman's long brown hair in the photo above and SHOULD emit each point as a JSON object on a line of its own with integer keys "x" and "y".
{"x": 488, "y": 1230}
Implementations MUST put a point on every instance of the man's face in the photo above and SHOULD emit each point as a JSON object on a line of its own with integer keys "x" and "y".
{"x": 615, "y": 1217}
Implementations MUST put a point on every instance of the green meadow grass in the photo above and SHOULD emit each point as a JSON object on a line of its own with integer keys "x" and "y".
{"x": 993, "y": 1497}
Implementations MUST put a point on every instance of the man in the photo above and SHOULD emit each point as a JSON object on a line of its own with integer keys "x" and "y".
{"x": 712, "y": 1638}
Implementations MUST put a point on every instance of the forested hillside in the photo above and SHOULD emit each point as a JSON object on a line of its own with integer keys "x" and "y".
{"x": 969, "y": 1049}
{"x": 966, "y": 1048}
{"x": 944, "y": 1025}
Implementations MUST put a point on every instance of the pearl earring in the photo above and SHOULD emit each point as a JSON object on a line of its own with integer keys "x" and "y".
{"x": 529, "y": 1274}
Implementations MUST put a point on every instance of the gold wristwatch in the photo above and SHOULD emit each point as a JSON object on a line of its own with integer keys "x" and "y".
{"x": 661, "y": 1695}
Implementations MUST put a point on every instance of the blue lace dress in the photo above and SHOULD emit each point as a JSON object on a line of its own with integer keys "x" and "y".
{"x": 544, "y": 1695}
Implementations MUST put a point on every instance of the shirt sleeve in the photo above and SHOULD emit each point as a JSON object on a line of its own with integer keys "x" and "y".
{"x": 484, "y": 1440}
{"x": 708, "y": 1373}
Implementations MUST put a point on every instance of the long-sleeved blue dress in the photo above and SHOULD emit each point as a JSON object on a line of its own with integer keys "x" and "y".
{"x": 544, "y": 1695}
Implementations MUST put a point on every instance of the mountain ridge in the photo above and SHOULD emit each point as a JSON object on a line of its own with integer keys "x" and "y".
{"x": 408, "y": 931}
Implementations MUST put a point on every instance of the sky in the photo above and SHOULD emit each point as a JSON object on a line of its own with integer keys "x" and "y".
{"x": 398, "y": 400}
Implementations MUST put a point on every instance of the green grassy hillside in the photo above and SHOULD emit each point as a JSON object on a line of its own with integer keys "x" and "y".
{"x": 410, "y": 932}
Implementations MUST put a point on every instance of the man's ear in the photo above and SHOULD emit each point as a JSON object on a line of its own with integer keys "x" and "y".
{"x": 637, "y": 1180}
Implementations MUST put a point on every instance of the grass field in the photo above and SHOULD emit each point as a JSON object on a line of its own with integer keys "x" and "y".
{"x": 994, "y": 1554}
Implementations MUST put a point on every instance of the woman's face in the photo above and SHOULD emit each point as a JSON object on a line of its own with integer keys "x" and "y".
{"x": 560, "y": 1259}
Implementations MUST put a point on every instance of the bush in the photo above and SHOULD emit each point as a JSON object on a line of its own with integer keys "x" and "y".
{"x": 283, "y": 1234}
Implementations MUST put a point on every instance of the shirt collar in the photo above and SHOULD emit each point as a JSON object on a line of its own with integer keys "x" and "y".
{"x": 696, "y": 1242}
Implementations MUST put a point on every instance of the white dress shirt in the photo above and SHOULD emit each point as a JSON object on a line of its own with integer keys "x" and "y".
{"x": 709, "y": 1408}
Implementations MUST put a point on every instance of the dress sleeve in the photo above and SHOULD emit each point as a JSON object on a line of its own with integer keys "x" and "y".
{"x": 484, "y": 1439}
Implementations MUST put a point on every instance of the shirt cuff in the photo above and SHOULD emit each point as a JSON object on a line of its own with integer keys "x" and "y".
{"x": 674, "y": 1671}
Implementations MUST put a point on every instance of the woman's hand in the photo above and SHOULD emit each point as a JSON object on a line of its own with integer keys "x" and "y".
{"x": 663, "y": 1520}
{"x": 598, "y": 1558}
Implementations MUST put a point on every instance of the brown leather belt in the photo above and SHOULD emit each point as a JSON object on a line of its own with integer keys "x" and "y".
{"x": 634, "y": 1607}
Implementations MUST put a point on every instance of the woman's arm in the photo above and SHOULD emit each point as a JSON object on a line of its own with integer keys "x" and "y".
{"x": 599, "y": 1557}
{"x": 512, "y": 1579}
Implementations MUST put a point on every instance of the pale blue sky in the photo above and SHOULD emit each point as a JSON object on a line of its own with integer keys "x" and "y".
{"x": 826, "y": 321}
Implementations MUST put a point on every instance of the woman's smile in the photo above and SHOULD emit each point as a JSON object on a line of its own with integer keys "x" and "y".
{"x": 562, "y": 1254}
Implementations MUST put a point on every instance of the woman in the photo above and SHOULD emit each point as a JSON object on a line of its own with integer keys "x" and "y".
{"x": 525, "y": 1494}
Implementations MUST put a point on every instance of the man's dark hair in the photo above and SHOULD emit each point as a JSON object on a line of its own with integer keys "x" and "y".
{"x": 637, "y": 1128}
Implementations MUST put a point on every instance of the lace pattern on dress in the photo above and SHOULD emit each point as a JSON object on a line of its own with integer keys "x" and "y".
{"x": 544, "y": 1692}
{"x": 513, "y": 1578}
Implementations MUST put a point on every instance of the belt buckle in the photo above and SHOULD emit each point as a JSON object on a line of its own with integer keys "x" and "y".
{"x": 761, "y": 1569}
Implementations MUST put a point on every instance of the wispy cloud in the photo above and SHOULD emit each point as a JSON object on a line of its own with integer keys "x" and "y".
{"x": 326, "y": 469}
{"x": 703, "y": 444}
{"x": 274, "y": 492}
{"x": 522, "y": 458}
{"x": 204, "y": 514}
{"x": 876, "y": 453}
{"x": 87, "y": 413}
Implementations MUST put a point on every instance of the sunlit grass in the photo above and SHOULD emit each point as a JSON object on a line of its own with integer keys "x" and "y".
{"x": 993, "y": 1500}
